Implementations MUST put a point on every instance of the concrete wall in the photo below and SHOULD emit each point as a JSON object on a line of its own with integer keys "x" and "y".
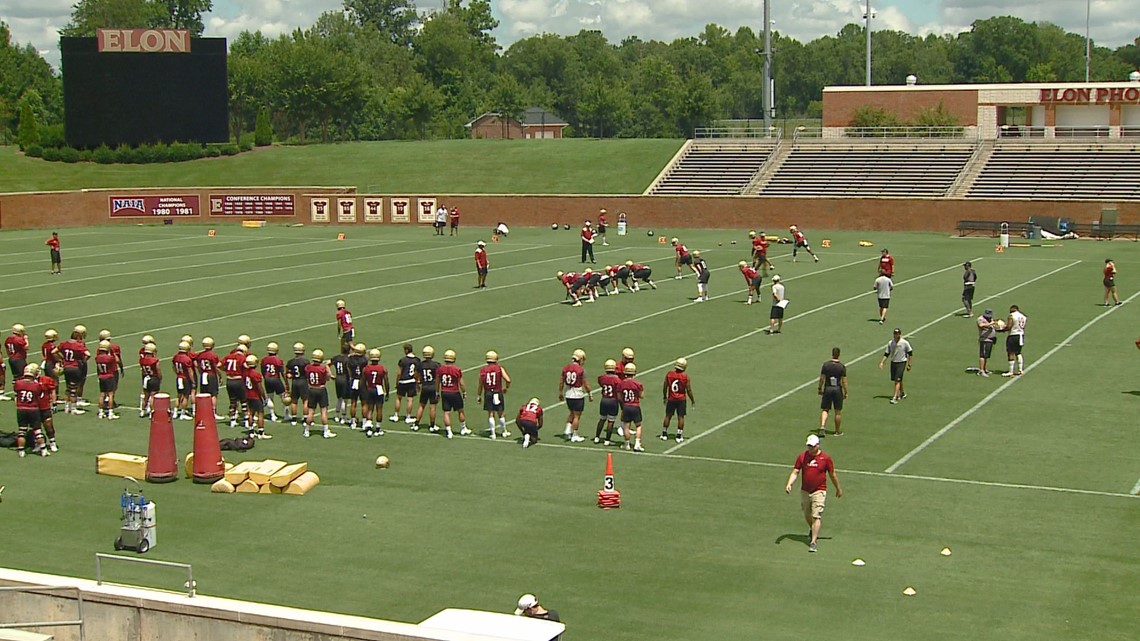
{"x": 119, "y": 613}
{"x": 86, "y": 208}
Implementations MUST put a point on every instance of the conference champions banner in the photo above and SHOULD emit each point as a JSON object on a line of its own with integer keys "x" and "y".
{"x": 255, "y": 205}
{"x": 154, "y": 206}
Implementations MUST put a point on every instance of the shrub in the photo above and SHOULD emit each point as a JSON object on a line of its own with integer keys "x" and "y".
{"x": 103, "y": 155}
{"x": 51, "y": 154}
{"x": 85, "y": 155}
{"x": 230, "y": 149}
{"x": 27, "y": 132}
{"x": 35, "y": 151}
{"x": 213, "y": 151}
{"x": 245, "y": 145}
{"x": 68, "y": 154}
{"x": 263, "y": 131}
{"x": 124, "y": 154}
{"x": 53, "y": 136}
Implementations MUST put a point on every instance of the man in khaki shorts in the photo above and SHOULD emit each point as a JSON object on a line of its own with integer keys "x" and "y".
{"x": 816, "y": 467}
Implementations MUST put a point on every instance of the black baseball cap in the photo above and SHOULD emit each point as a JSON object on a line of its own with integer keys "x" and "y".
{"x": 967, "y": 264}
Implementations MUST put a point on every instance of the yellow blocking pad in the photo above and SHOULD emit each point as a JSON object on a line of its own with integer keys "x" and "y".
{"x": 240, "y": 472}
{"x": 115, "y": 464}
{"x": 247, "y": 487}
{"x": 222, "y": 486}
{"x": 287, "y": 474}
{"x": 262, "y": 472}
{"x": 269, "y": 489}
{"x": 303, "y": 483}
{"x": 189, "y": 465}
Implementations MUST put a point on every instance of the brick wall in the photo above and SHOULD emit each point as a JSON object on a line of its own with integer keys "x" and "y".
{"x": 839, "y": 106}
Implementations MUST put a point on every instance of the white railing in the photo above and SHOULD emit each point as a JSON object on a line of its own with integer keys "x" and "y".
{"x": 191, "y": 585}
{"x": 773, "y": 133}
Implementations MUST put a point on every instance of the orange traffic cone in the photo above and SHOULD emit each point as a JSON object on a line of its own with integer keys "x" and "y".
{"x": 162, "y": 458}
{"x": 609, "y": 496}
{"x": 208, "y": 463}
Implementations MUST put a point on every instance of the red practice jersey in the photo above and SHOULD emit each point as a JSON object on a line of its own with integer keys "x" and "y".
{"x": 106, "y": 365}
{"x": 491, "y": 375}
{"x": 480, "y": 257}
{"x": 27, "y": 394}
{"x": 449, "y": 377}
{"x": 234, "y": 364}
{"x": 207, "y": 362}
{"x": 71, "y": 352}
{"x": 573, "y": 376}
{"x": 317, "y": 374}
{"x": 272, "y": 366}
{"x": 253, "y": 388}
{"x": 148, "y": 365}
{"x": 183, "y": 365}
{"x": 17, "y": 347}
{"x": 530, "y": 412}
{"x": 749, "y": 274}
{"x": 631, "y": 391}
{"x": 676, "y": 385}
{"x": 344, "y": 317}
{"x": 374, "y": 375}
{"x": 48, "y": 386}
{"x": 609, "y": 384}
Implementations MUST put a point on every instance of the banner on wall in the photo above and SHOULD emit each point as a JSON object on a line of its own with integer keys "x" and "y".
{"x": 256, "y": 205}
{"x": 153, "y": 206}
{"x": 425, "y": 210}
{"x": 399, "y": 209}
{"x": 319, "y": 210}
{"x": 373, "y": 209}
{"x": 346, "y": 210}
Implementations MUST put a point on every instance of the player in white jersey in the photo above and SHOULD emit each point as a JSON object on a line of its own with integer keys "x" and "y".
{"x": 1015, "y": 325}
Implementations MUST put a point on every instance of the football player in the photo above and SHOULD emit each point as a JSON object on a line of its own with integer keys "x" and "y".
{"x": 233, "y": 364}
{"x": 107, "y": 369}
{"x": 28, "y": 412}
{"x": 339, "y": 365}
{"x": 183, "y": 365}
{"x": 494, "y": 381}
{"x": 574, "y": 389}
{"x": 429, "y": 391}
{"x": 641, "y": 273}
{"x": 760, "y": 251}
{"x": 272, "y": 372}
{"x": 701, "y": 268}
{"x": 151, "y": 378}
{"x": 631, "y": 392}
{"x": 800, "y": 241}
{"x": 70, "y": 354}
{"x": 674, "y": 391}
{"x": 375, "y": 381}
{"x": 529, "y": 420}
{"x": 298, "y": 385}
{"x": 682, "y": 257}
{"x": 407, "y": 379}
{"x": 206, "y": 365}
{"x": 481, "y": 265}
{"x": 254, "y": 398}
{"x": 753, "y": 279}
{"x": 354, "y": 368}
{"x": 105, "y": 335}
{"x": 452, "y": 392}
{"x": 344, "y": 328}
{"x": 317, "y": 375}
{"x": 573, "y": 282}
{"x": 16, "y": 347}
{"x": 48, "y": 387}
{"x": 608, "y": 384}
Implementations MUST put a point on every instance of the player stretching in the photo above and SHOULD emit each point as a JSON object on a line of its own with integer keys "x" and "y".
{"x": 753, "y": 279}
{"x": 676, "y": 387}
{"x": 574, "y": 283}
{"x": 493, "y": 385}
{"x": 574, "y": 389}
{"x": 641, "y": 273}
{"x": 800, "y": 241}
{"x": 701, "y": 268}
{"x": 682, "y": 258}
{"x": 452, "y": 392}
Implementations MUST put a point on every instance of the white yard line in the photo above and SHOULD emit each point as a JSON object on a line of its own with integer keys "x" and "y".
{"x": 781, "y": 466}
{"x": 992, "y": 395}
{"x": 1136, "y": 488}
{"x": 813, "y": 381}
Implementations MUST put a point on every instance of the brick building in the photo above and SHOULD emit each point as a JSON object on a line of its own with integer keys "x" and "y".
{"x": 536, "y": 123}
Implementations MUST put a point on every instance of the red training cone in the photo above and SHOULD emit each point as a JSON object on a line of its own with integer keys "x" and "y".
{"x": 208, "y": 463}
{"x": 162, "y": 457}
{"x": 609, "y": 496}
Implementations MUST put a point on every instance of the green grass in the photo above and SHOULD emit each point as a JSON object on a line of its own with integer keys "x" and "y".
{"x": 570, "y": 166}
{"x": 1030, "y": 487}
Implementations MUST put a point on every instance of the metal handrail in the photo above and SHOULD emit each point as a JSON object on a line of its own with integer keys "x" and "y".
{"x": 191, "y": 585}
{"x": 738, "y": 132}
{"x": 47, "y": 624}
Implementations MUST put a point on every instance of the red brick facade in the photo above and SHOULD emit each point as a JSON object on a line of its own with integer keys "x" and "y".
{"x": 839, "y": 106}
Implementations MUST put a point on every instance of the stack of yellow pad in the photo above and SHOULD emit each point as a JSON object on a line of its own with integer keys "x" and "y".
{"x": 267, "y": 477}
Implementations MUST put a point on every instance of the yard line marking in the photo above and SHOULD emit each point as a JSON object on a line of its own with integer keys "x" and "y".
{"x": 77, "y": 249}
{"x": 1136, "y": 488}
{"x": 992, "y": 395}
{"x": 812, "y": 381}
{"x": 786, "y": 466}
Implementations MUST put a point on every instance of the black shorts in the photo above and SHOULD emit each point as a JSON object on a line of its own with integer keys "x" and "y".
{"x": 832, "y": 399}
{"x": 482, "y": 271}
{"x": 897, "y": 370}
{"x": 152, "y": 383}
{"x": 46, "y": 416}
{"x": 489, "y": 403}
{"x": 347, "y": 335}
{"x": 455, "y": 223}
{"x": 575, "y": 404}
{"x": 27, "y": 419}
{"x": 373, "y": 396}
{"x": 55, "y": 257}
{"x": 643, "y": 274}
{"x": 608, "y": 408}
{"x": 777, "y": 312}
{"x": 1014, "y": 343}
{"x": 299, "y": 390}
{"x": 318, "y": 397}
{"x": 255, "y": 405}
{"x": 72, "y": 375}
{"x": 630, "y": 413}
{"x": 687, "y": 259}
{"x": 528, "y": 427}
{"x": 985, "y": 348}
{"x": 451, "y": 401}
{"x": 577, "y": 285}
{"x": 235, "y": 389}
{"x": 341, "y": 386}
{"x": 968, "y": 293}
{"x": 755, "y": 282}
{"x": 1110, "y": 282}
{"x": 884, "y": 303}
{"x": 804, "y": 245}
{"x": 108, "y": 385}
{"x": 211, "y": 385}
{"x": 676, "y": 407}
{"x": 184, "y": 386}
{"x": 274, "y": 386}
{"x": 82, "y": 369}
{"x": 622, "y": 273}
{"x": 406, "y": 389}
{"x": 429, "y": 395}
{"x": 703, "y": 278}
{"x": 355, "y": 389}
{"x": 601, "y": 228}
{"x": 16, "y": 366}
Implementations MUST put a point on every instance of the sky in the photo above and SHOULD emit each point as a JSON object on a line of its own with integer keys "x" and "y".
{"x": 1112, "y": 22}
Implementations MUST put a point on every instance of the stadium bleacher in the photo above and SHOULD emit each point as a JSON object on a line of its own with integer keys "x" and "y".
{"x": 1069, "y": 170}
{"x": 713, "y": 167}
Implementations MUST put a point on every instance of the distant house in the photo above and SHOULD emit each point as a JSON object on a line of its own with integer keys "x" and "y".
{"x": 536, "y": 123}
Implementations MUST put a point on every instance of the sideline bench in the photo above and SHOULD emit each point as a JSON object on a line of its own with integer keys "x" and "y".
{"x": 1102, "y": 232}
{"x": 990, "y": 228}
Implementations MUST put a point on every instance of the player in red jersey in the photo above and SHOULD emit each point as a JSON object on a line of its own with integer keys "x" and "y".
{"x": 760, "y": 251}
{"x": 627, "y": 357}
{"x": 481, "y": 265}
{"x": 886, "y": 264}
{"x": 682, "y": 257}
{"x": 16, "y": 347}
{"x": 529, "y": 420}
{"x": 800, "y": 241}
{"x": 452, "y": 393}
{"x": 574, "y": 389}
{"x": 56, "y": 259}
{"x": 70, "y": 354}
{"x": 273, "y": 372}
{"x": 107, "y": 370}
{"x": 630, "y": 396}
{"x": 105, "y": 335}
{"x": 233, "y": 365}
{"x": 50, "y": 363}
{"x": 570, "y": 282}
{"x": 183, "y": 366}
{"x": 494, "y": 381}
{"x": 206, "y": 365}
{"x": 641, "y": 273}
{"x": 374, "y": 378}
{"x": 344, "y": 328}
{"x": 151, "y": 378}
{"x": 48, "y": 388}
{"x": 453, "y": 216}
{"x": 753, "y": 279}
{"x": 587, "y": 242}
{"x": 79, "y": 334}
{"x": 676, "y": 388}
{"x": 1109, "y": 285}
{"x": 601, "y": 226}
{"x": 28, "y": 412}
{"x": 255, "y": 399}
{"x": 609, "y": 383}
{"x": 317, "y": 376}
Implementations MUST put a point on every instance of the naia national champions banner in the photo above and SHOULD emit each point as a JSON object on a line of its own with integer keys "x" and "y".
{"x": 153, "y": 206}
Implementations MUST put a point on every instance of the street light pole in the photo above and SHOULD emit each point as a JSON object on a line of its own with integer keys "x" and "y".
{"x": 867, "y": 16}
{"x": 1088, "y": 42}
{"x": 767, "y": 93}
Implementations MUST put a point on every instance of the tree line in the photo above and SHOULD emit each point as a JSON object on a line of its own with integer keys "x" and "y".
{"x": 380, "y": 70}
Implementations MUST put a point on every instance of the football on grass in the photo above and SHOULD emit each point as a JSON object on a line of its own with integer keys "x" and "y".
{"x": 554, "y": 225}
{"x": 382, "y": 461}
{"x": 649, "y": 233}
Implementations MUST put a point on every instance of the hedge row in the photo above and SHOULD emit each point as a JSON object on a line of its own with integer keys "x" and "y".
{"x": 142, "y": 154}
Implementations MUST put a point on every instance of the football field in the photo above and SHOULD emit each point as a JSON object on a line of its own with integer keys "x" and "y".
{"x": 1031, "y": 481}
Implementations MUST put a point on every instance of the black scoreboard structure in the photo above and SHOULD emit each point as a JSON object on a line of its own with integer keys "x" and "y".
{"x": 135, "y": 86}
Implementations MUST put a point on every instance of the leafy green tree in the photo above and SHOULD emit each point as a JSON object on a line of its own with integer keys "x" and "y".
{"x": 394, "y": 19}
{"x": 89, "y": 15}
{"x": 183, "y": 14}
{"x": 1000, "y": 49}
{"x": 508, "y": 100}
{"x": 263, "y": 132}
{"x": 29, "y": 133}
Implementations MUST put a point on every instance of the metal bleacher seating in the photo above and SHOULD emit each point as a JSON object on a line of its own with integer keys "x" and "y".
{"x": 1068, "y": 170}
{"x": 846, "y": 168}
{"x": 714, "y": 167}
